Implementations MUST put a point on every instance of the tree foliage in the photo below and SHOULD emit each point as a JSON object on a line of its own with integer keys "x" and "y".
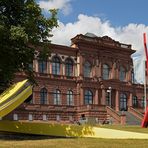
{"x": 22, "y": 27}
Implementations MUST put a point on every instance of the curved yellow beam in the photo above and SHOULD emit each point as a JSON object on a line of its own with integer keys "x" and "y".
{"x": 65, "y": 130}
{"x": 14, "y": 97}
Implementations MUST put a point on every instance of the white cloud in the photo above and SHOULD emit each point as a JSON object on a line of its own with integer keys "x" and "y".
{"x": 130, "y": 34}
{"x": 63, "y": 5}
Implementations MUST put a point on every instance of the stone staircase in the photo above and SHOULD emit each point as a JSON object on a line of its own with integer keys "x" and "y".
{"x": 131, "y": 119}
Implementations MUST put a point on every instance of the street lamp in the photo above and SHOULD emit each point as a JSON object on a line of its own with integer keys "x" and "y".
{"x": 110, "y": 96}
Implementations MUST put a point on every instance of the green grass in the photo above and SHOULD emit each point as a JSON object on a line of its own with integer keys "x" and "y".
{"x": 73, "y": 143}
{"x": 25, "y": 141}
{"x": 126, "y": 128}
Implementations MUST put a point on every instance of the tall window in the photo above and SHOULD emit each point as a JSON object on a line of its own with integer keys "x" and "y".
{"x": 143, "y": 102}
{"x": 107, "y": 98}
{"x": 57, "y": 97}
{"x": 43, "y": 96}
{"x": 88, "y": 97}
{"x": 135, "y": 101}
{"x": 56, "y": 66}
{"x": 42, "y": 66}
{"x": 70, "y": 97}
{"x": 87, "y": 69}
{"x": 123, "y": 102}
{"x": 69, "y": 67}
{"x": 122, "y": 73}
{"x": 105, "y": 71}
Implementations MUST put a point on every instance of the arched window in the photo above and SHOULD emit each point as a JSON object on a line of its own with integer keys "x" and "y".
{"x": 123, "y": 102}
{"x": 69, "y": 97}
{"x": 88, "y": 97}
{"x": 122, "y": 73}
{"x": 106, "y": 70}
{"x": 43, "y": 96}
{"x": 56, "y": 66}
{"x": 69, "y": 67}
{"x": 87, "y": 69}
{"x": 42, "y": 66}
{"x": 57, "y": 97}
{"x": 135, "y": 101}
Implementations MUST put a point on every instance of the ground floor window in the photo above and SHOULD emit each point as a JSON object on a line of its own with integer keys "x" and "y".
{"x": 123, "y": 102}
{"x": 135, "y": 101}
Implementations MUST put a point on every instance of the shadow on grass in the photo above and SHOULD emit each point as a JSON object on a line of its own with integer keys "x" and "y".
{"x": 20, "y": 136}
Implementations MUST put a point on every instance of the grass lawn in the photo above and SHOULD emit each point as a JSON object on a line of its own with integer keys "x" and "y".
{"x": 73, "y": 143}
{"x": 43, "y": 141}
{"x": 126, "y": 128}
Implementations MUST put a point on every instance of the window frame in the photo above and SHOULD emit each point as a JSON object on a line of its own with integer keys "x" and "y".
{"x": 69, "y": 67}
{"x": 88, "y": 97}
{"x": 105, "y": 71}
{"x": 87, "y": 69}
{"x": 57, "y": 97}
{"x": 43, "y": 96}
{"x": 56, "y": 65}
{"x": 69, "y": 97}
{"x": 42, "y": 66}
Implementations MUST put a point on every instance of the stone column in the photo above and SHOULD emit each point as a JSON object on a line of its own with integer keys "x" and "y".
{"x": 75, "y": 70}
{"x": 113, "y": 71}
{"x": 63, "y": 69}
{"x": 50, "y": 67}
{"x": 96, "y": 97}
{"x": 117, "y": 98}
{"x": 36, "y": 65}
{"x": 100, "y": 69}
{"x": 81, "y": 96}
{"x": 81, "y": 66}
{"x": 103, "y": 98}
{"x": 130, "y": 100}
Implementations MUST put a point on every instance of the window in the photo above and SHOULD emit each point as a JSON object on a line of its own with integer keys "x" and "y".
{"x": 43, "y": 96}
{"x": 56, "y": 66}
{"x": 105, "y": 71}
{"x": 122, "y": 73}
{"x": 135, "y": 101}
{"x": 143, "y": 102}
{"x": 69, "y": 67}
{"x": 15, "y": 117}
{"x": 57, "y": 98}
{"x": 108, "y": 98}
{"x": 87, "y": 69}
{"x": 42, "y": 66}
{"x": 30, "y": 117}
{"x": 44, "y": 117}
{"x": 123, "y": 102}
{"x": 88, "y": 97}
{"x": 69, "y": 97}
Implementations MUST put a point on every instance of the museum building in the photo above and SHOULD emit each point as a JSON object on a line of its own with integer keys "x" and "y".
{"x": 92, "y": 79}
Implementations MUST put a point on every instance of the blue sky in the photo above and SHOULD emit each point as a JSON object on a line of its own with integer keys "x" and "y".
{"x": 124, "y": 20}
{"x": 119, "y": 12}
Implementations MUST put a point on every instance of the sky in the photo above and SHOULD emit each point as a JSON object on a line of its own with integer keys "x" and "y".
{"x": 122, "y": 20}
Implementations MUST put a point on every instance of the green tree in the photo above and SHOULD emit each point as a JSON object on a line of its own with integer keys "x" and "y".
{"x": 23, "y": 27}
